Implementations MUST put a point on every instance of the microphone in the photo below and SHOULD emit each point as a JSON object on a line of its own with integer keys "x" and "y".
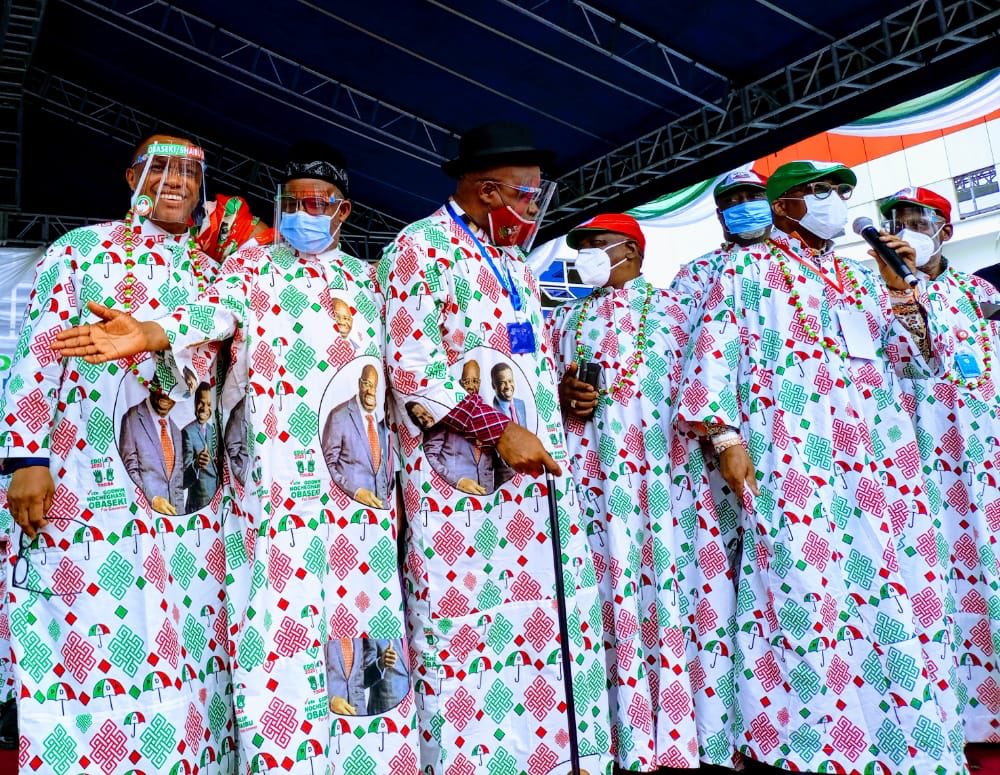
{"x": 867, "y": 231}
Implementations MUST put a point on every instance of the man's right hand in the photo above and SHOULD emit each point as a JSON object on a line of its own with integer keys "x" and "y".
{"x": 472, "y": 487}
{"x": 368, "y": 498}
{"x": 576, "y": 397}
{"x": 522, "y": 450}
{"x": 738, "y": 470}
{"x": 342, "y": 707}
{"x": 119, "y": 336}
{"x": 202, "y": 459}
{"x": 162, "y": 505}
{"x": 30, "y": 497}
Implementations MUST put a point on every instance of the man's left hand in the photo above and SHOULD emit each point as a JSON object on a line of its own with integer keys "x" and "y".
{"x": 577, "y": 398}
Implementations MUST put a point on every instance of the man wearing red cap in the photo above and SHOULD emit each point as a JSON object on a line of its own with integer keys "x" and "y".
{"x": 618, "y": 352}
{"x": 958, "y": 432}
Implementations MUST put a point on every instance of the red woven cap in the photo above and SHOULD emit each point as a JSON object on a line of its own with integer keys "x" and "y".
{"x": 618, "y": 223}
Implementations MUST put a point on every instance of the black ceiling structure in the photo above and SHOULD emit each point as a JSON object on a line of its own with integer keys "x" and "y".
{"x": 638, "y": 98}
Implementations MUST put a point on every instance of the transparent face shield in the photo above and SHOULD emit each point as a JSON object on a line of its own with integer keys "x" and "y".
{"x": 919, "y": 219}
{"x": 171, "y": 186}
{"x": 920, "y": 227}
{"x": 517, "y": 222}
{"x": 306, "y": 215}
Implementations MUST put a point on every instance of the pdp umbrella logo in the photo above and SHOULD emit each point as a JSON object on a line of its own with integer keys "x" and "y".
{"x": 61, "y": 693}
{"x": 143, "y": 205}
{"x": 108, "y": 688}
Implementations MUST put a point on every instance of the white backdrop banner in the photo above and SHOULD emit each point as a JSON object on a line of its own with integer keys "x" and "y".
{"x": 17, "y": 274}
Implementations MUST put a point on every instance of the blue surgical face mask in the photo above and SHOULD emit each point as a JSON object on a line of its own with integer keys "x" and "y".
{"x": 747, "y": 218}
{"x": 308, "y": 233}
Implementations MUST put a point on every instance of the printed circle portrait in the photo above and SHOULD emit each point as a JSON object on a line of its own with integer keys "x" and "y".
{"x": 354, "y": 439}
{"x": 168, "y": 441}
{"x": 366, "y": 676}
{"x": 465, "y": 465}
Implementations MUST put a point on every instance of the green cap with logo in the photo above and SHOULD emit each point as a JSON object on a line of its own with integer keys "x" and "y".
{"x": 795, "y": 173}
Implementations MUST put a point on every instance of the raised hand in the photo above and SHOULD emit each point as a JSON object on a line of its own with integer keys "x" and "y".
{"x": 119, "y": 336}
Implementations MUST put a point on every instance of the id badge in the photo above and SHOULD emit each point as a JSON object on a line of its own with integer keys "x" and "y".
{"x": 522, "y": 338}
{"x": 968, "y": 365}
{"x": 857, "y": 336}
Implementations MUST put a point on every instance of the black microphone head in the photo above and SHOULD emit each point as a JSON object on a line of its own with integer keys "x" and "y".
{"x": 862, "y": 223}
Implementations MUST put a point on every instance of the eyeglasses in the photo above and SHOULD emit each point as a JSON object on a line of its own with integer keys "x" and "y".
{"x": 314, "y": 205}
{"x": 822, "y": 190}
{"x": 66, "y": 584}
{"x": 525, "y": 194}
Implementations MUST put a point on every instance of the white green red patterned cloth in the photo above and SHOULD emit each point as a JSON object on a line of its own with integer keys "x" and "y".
{"x": 117, "y": 612}
{"x": 646, "y": 549}
{"x": 837, "y": 653}
{"x": 958, "y": 434}
{"x": 309, "y": 566}
{"x": 479, "y": 567}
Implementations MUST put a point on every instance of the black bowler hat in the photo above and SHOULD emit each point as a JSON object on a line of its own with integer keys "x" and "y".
{"x": 496, "y": 144}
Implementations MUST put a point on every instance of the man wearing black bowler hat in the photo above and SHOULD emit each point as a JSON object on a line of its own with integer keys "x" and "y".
{"x": 479, "y": 568}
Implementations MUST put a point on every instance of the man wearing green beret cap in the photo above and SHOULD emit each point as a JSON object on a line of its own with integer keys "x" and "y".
{"x": 795, "y": 378}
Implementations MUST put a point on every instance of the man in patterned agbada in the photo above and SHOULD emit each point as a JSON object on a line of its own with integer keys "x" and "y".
{"x": 479, "y": 565}
{"x": 119, "y": 642}
{"x": 311, "y": 554}
{"x": 795, "y": 377}
{"x": 958, "y": 433}
{"x": 618, "y": 352}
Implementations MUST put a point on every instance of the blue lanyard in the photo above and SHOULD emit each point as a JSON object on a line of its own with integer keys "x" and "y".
{"x": 506, "y": 280}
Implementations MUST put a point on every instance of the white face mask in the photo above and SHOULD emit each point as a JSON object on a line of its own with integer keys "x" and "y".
{"x": 925, "y": 246}
{"x": 594, "y": 265}
{"x": 826, "y": 218}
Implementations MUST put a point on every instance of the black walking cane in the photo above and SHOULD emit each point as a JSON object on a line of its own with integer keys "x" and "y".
{"x": 567, "y": 661}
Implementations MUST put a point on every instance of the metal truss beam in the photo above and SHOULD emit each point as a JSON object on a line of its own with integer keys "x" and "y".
{"x": 183, "y": 34}
{"x": 601, "y": 32}
{"x": 20, "y": 22}
{"x": 436, "y": 64}
{"x": 900, "y": 44}
{"x": 367, "y": 231}
{"x": 34, "y": 229}
{"x": 797, "y": 19}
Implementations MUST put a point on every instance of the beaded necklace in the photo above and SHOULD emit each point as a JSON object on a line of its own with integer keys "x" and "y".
{"x": 983, "y": 336}
{"x": 628, "y": 372}
{"x": 132, "y": 231}
{"x": 826, "y": 343}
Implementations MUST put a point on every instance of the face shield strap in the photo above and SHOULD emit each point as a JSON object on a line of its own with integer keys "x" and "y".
{"x": 164, "y": 165}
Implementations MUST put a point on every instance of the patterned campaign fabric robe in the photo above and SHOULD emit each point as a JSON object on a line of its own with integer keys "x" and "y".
{"x": 642, "y": 531}
{"x": 841, "y": 579}
{"x": 958, "y": 432}
{"x": 309, "y": 565}
{"x": 7, "y": 689}
{"x": 117, "y": 612}
{"x": 479, "y": 568}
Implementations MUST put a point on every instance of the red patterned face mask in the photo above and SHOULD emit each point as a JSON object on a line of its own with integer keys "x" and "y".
{"x": 507, "y": 228}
